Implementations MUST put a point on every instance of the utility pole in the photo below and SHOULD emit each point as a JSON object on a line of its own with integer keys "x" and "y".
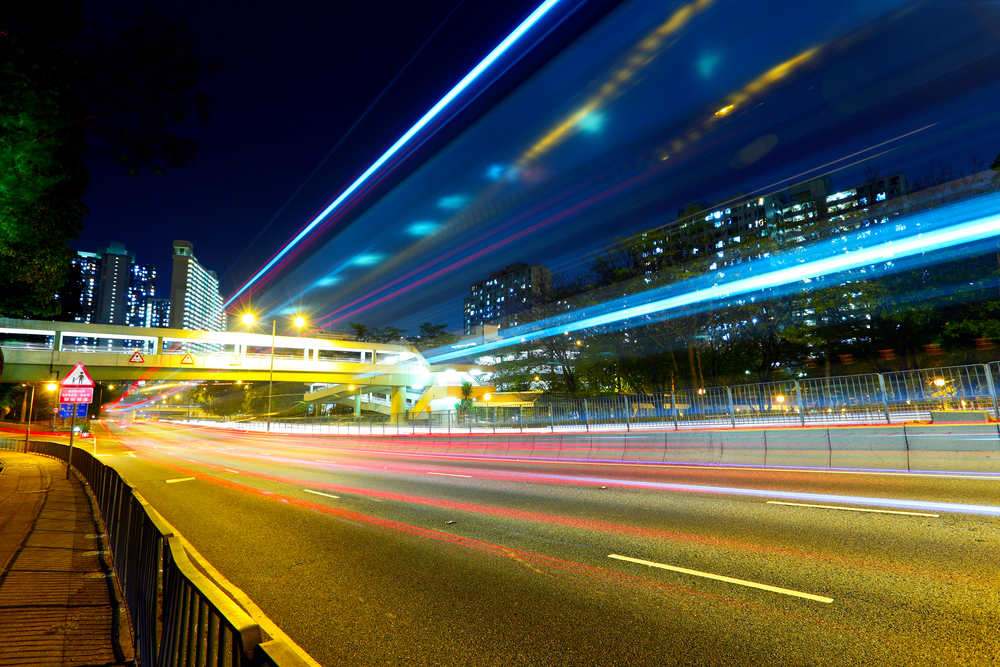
{"x": 270, "y": 379}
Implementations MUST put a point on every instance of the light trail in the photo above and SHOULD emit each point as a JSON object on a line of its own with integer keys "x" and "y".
{"x": 974, "y": 221}
{"x": 434, "y": 111}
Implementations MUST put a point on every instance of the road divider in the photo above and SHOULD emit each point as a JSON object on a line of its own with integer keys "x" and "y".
{"x": 728, "y": 580}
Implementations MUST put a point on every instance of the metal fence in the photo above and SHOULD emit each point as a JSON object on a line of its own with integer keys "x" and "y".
{"x": 887, "y": 398}
{"x": 179, "y": 617}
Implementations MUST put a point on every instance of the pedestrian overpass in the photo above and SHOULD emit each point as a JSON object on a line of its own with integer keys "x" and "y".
{"x": 36, "y": 351}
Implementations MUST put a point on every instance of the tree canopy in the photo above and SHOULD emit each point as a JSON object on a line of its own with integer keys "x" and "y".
{"x": 70, "y": 94}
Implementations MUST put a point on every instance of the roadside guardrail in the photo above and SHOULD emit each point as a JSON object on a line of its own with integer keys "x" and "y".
{"x": 179, "y": 617}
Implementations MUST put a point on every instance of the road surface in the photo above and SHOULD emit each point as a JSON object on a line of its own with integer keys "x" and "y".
{"x": 376, "y": 558}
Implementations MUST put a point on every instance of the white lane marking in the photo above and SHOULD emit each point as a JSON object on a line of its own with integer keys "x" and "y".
{"x": 100, "y": 455}
{"x": 180, "y": 479}
{"x": 851, "y": 509}
{"x": 264, "y": 454}
{"x": 322, "y": 461}
{"x": 191, "y": 460}
{"x": 132, "y": 454}
{"x": 447, "y": 474}
{"x": 232, "y": 471}
{"x": 730, "y": 580}
{"x": 320, "y": 493}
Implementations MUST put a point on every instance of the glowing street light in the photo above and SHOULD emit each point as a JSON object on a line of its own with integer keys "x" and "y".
{"x": 249, "y": 319}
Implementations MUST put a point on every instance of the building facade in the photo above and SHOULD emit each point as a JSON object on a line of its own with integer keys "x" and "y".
{"x": 141, "y": 291}
{"x": 157, "y": 313}
{"x": 501, "y": 297}
{"x": 195, "y": 301}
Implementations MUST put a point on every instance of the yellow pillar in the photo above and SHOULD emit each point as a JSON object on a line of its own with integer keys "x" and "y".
{"x": 398, "y": 400}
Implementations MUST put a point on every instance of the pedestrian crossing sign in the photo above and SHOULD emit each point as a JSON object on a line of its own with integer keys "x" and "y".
{"x": 78, "y": 377}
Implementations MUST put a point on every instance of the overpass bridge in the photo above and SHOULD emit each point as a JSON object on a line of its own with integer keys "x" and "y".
{"x": 40, "y": 350}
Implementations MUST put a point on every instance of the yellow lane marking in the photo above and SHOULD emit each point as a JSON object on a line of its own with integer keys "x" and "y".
{"x": 447, "y": 474}
{"x": 852, "y": 509}
{"x": 180, "y": 479}
{"x": 320, "y": 493}
{"x": 729, "y": 580}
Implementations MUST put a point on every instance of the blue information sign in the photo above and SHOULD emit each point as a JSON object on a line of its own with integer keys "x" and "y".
{"x": 66, "y": 409}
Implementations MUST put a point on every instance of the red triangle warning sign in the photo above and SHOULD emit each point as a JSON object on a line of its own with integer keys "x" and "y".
{"x": 236, "y": 361}
{"x": 136, "y": 358}
{"x": 78, "y": 377}
{"x": 188, "y": 359}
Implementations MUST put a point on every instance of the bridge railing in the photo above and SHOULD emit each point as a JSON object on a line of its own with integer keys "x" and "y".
{"x": 179, "y": 617}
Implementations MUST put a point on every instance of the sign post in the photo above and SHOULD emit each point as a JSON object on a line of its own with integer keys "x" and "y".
{"x": 76, "y": 387}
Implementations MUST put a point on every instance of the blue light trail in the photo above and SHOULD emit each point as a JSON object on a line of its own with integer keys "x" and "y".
{"x": 959, "y": 224}
{"x": 476, "y": 71}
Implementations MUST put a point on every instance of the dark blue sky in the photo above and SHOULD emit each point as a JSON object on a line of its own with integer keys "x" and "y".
{"x": 861, "y": 74}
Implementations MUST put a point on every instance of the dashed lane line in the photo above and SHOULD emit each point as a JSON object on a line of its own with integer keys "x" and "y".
{"x": 728, "y": 580}
{"x": 447, "y": 474}
{"x": 852, "y": 509}
{"x": 320, "y": 493}
{"x": 180, "y": 479}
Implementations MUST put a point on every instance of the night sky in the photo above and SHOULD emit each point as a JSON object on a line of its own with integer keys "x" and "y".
{"x": 295, "y": 80}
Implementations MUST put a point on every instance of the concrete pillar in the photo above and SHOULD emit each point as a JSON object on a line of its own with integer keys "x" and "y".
{"x": 398, "y": 400}
{"x": 357, "y": 405}
{"x": 57, "y": 341}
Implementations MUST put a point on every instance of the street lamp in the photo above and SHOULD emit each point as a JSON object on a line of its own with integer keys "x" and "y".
{"x": 939, "y": 383}
{"x": 51, "y": 386}
{"x": 249, "y": 319}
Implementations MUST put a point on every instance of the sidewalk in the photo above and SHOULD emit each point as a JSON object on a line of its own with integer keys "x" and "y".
{"x": 57, "y": 601}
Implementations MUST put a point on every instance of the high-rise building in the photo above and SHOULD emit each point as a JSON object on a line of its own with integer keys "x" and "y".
{"x": 141, "y": 290}
{"x": 78, "y": 296}
{"x": 157, "y": 313}
{"x": 195, "y": 302}
{"x": 116, "y": 270}
{"x": 499, "y": 298}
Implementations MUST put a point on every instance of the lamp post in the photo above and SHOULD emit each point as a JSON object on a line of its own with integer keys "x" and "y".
{"x": 51, "y": 386}
{"x": 486, "y": 397}
{"x": 249, "y": 319}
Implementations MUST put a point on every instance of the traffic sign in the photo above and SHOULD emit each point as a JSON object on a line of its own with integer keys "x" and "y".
{"x": 76, "y": 395}
{"x": 188, "y": 359}
{"x": 78, "y": 377}
{"x": 136, "y": 358}
{"x": 236, "y": 361}
{"x": 66, "y": 409}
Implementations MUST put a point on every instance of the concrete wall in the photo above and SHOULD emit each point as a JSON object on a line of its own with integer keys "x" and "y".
{"x": 951, "y": 447}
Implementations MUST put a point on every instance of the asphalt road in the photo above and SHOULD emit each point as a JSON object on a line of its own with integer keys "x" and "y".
{"x": 368, "y": 558}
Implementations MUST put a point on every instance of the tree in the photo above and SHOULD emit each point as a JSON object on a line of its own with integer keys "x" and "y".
{"x": 285, "y": 399}
{"x": 366, "y": 334}
{"x": 433, "y": 336}
{"x": 69, "y": 96}
{"x": 222, "y": 400}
